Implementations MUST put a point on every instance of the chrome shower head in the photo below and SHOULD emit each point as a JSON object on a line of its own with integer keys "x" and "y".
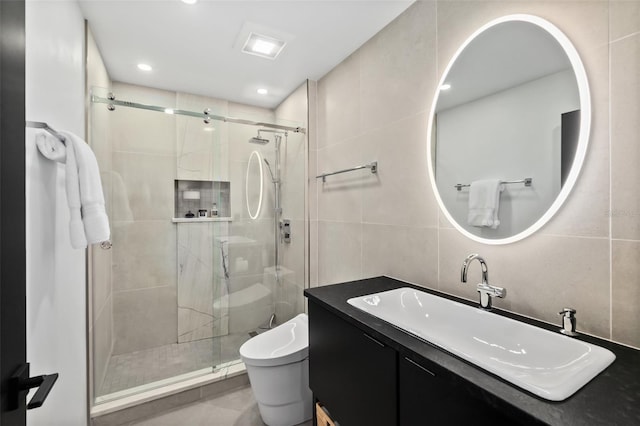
{"x": 258, "y": 140}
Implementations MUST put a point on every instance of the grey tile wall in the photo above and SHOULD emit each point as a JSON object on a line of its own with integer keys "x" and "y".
{"x": 375, "y": 106}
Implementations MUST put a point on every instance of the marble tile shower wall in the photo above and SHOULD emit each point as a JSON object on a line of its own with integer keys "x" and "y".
{"x": 144, "y": 253}
{"x": 149, "y": 152}
{"x": 375, "y": 106}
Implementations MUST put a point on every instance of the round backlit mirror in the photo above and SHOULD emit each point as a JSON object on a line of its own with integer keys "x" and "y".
{"x": 509, "y": 129}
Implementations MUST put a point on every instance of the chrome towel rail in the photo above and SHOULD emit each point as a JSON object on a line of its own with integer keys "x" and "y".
{"x": 526, "y": 181}
{"x": 45, "y": 126}
{"x": 373, "y": 166}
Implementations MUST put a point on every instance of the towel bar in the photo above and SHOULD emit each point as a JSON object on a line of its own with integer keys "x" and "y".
{"x": 526, "y": 181}
{"x": 373, "y": 166}
{"x": 45, "y": 126}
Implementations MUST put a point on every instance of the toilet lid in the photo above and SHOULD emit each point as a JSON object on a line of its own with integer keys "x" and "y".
{"x": 287, "y": 343}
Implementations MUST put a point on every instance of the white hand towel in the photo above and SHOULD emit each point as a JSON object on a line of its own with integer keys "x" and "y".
{"x": 53, "y": 149}
{"x": 88, "y": 219}
{"x": 484, "y": 203}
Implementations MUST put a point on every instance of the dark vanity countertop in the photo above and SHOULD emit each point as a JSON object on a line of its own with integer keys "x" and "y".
{"x": 611, "y": 398}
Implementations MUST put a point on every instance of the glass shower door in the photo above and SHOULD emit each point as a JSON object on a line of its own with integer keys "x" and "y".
{"x": 193, "y": 272}
{"x": 152, "y": 293}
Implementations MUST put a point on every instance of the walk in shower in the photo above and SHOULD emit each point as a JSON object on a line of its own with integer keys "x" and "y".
{"x": 206, "y": 200}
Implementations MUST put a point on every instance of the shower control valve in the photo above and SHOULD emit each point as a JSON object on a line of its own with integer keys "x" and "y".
{"x": 285, "y": 230}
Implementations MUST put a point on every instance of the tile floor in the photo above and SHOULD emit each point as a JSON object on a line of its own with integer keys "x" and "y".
{"x": 236, "y": 408}
{"x": 142, "y": 367}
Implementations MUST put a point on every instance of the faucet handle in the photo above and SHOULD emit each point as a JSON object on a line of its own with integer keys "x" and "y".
{"x": 568, "y": 321}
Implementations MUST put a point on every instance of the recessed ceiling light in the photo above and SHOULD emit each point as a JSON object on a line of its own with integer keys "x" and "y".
{"x": 263, "y": 46}
{"x": 190, "y": 1}
{"x": 168, "y": 110}
{"x": 262, "y": 91}
{"x": 445, "y": 86}
{"x": 144, "y": 67}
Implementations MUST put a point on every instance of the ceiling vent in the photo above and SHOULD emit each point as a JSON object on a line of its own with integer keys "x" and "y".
{"x": 263, "y": 46}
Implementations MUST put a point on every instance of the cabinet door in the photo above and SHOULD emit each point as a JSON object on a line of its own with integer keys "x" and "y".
{"x": 428, "y": 395}
{"x": 352, "y": 374}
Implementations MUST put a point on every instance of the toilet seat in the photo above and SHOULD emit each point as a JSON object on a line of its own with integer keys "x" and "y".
{"x": 285, "y": 344}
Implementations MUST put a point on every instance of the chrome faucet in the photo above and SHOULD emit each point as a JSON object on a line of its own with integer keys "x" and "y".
{"x": 568, "y": 321}
{"x": 485, "y": 290}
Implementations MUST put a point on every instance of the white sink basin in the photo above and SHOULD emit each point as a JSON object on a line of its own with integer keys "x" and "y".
{"x": 547, "y": 364}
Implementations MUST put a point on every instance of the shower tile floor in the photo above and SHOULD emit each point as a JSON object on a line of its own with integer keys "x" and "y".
{"x": 236, "y": 408}
{"x": 139, "y": 368}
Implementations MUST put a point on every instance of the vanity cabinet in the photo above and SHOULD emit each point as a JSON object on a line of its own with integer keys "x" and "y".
{"x": 350, "y": 372}
{"x": 409, "y": 382}
{"x": 427, "y": 394}
{"x": 362, "y": 381}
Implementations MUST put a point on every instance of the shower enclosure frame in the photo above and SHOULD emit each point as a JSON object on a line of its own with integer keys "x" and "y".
{"x": 206, "y": 116}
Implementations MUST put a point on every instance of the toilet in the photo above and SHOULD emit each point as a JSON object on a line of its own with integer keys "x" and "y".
{"x": 277, "y": 362}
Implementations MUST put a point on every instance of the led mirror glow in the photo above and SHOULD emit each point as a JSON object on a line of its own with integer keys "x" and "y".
{"x": 253, "y": 191}
{"x": 526, "y": 68}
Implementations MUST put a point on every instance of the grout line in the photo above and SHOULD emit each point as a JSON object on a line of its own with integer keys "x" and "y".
{"x": 610, "y": 188}
{"x": 131, "y": 290}
{"x": 625, "y": 240}
{"x": 145, "y": 153}
{"x": 624, "y": 37}
{"x": 438, "y": 227}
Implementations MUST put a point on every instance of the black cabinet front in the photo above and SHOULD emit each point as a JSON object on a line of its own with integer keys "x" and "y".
{"x": 428, "y": 395}
{"x": 361, "y": 381}
{"x": 350, "y": 372}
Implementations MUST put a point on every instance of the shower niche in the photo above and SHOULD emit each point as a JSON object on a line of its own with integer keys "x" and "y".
{"x": 202, "y": 199}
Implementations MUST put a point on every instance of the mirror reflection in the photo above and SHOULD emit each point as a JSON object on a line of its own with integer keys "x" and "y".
{"x": 505, "y": 130}
{"x": 254, "y": 185}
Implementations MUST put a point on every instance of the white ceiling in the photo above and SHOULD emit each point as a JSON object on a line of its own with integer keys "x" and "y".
{"x": 196, "y": 48}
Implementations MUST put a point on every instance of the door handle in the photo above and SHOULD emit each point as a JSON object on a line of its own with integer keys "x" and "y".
{"x": 21, "y": 382}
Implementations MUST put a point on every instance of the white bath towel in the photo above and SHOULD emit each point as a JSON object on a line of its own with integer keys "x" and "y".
{"x": 88, "y": 219}
{"x": 484, "y": 203}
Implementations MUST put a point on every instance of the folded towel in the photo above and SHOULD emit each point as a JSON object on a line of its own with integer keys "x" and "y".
{"x": 53, "y": 149}
{"x": 88, "y": 219}
{"x": 484, "y": 203}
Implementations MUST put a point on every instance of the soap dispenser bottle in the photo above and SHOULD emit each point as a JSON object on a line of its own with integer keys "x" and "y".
{"x": 214, "y": 210}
